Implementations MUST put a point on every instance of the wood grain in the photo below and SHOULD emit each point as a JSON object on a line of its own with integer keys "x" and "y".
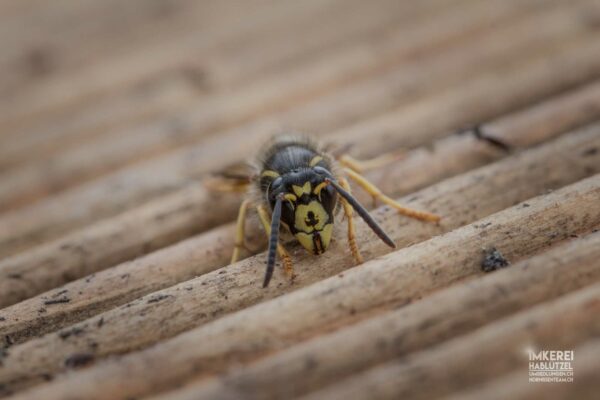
{"x": 170, "y": 311}
{"x": 392, "y": 280}
{"x": 114, "y": 275}
{"x": 457, "y": 310}
{"x": 420, "y": 167}
{"x": 513, "y": 87}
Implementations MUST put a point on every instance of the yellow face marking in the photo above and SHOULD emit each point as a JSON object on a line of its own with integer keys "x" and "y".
{"x": 307, "y": 241}
{"x": 318, "y": 189}
{"x": 301, "y": 190}
{"x": 310, "y": 217}
{"x": 326, "y": 235}
{"x": 315, "y": 160}
{"x": 290, "y": 198}
{"x": 269, "y": 173}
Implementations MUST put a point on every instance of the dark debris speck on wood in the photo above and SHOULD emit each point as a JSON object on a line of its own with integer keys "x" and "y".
{"x": 57, "y": 301}
{"x": 158, "y": 298}
{"x": 64, "y": 291}
{"x": 78, "y": 360}
{"x": 493, "y": 260}
{"x": 480, "y": 134}
{"x": 71, "y": 332}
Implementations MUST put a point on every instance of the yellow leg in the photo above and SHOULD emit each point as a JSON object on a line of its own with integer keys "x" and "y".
{"x": 351, "y": 233}
{"x": 361, "y": 166}
{"x": 373, "y": 191}
{"x": 239, "y": 231}
{"x": 283, "y": 254}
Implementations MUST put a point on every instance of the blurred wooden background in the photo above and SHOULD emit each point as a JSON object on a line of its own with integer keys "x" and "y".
{"x": 114, "y": 280}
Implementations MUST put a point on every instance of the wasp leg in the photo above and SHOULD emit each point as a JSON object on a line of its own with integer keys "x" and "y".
{"x": 361, "y": 166}
{"x": 375, "y": 192}
{"x": 240, "y": 230}
{"x": 283, "y": 254}
{"x": 348, "y": 211}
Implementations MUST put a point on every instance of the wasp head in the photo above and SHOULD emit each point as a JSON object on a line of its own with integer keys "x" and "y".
{"x": 307, "y": 207}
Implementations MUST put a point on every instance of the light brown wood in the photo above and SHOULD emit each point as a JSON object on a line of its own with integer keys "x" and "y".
{"x": 456, "y": 62}
{"x": 115, "y": 273}
{"x": 422, "y": 120}
{"x": 147, "y": 228}
{"x": 458, "y": 153}
{"x": 245, "y": 26}
{"x": 115, "y": 286}
{"x": 398, "y": 43}
{"x": 453, "y": 108}
{"x": 419, "y": 168}
{"x": 392, "y": 280}
{"x": 216, "y": 53}
{"x": 449, "y": 313}
{"x": 516, "y": 385}
{"x": 458, "y": 200}
{"x": 178, "y": 61}
{"x": 502, "y": 346}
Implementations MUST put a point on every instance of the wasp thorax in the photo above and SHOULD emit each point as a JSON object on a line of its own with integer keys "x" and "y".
{"x": 307, "y": 209}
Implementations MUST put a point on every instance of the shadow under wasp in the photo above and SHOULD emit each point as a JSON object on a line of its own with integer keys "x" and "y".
{"x": 297, "y": 184}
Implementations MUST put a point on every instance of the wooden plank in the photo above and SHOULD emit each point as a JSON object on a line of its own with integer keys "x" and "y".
{"x": 387, "y": 281}
{"x": 306, "y": 73}
{"x": 113, "y": 252}
{"x": 282, "y": 21}
{"x": 421, "y": 167}
{"x": 165, "y": 313}
{"x": 276, "y": 95}
{"x": 563, "y": 323}
{"x": 456, "y": 109}
{"x": 455, "y": 311}
{"x": 104, "y": 197}
{"x": 459, "y": 153}
{"x": 516, "y": 385}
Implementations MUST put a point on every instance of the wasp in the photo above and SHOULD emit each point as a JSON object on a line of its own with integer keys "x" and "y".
{"x": 299, "y": 186}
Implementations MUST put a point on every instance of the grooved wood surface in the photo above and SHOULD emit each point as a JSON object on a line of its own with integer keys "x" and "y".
{"x": 115, "y": 280}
